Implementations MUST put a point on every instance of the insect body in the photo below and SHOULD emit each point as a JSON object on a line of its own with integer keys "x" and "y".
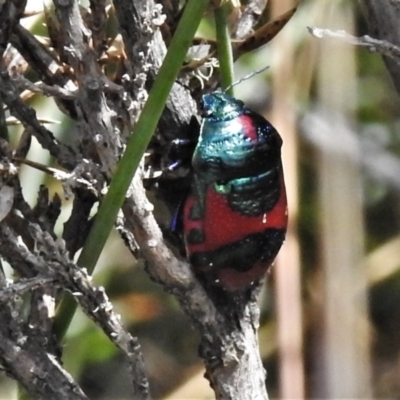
{"x": 235, "y": 217}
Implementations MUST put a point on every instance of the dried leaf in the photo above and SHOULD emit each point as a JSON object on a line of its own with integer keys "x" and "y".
{"x": 14, "y": 61}
{"x": 6, "y": 200}
{"x": 264, "y": 34}
{"x": 24, "y": 144}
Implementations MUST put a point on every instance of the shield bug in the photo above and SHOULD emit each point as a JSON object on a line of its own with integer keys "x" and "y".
{"x": 235, "y": 217}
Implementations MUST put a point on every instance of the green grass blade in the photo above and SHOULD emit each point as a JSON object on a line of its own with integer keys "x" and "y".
{"x": 224, "y": 48}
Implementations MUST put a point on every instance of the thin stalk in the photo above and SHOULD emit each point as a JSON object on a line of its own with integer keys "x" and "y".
{"x": 224, "y": 48}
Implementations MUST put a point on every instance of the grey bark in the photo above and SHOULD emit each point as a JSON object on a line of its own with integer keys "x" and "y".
{"x": 103, "y": 112}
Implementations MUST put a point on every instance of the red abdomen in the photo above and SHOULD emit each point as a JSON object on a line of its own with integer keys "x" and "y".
{"x": 228, "y": 248}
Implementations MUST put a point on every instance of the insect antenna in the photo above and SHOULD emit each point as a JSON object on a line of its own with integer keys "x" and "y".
{"x": 246, "y": 77}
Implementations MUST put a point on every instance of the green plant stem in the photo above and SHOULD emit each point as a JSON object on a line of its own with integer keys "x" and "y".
{"x": 224, "y": 48}
{"x": 137, "y": 144}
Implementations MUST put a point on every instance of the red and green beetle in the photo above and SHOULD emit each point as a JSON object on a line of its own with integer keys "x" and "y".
{"x": 235, "y": 217}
